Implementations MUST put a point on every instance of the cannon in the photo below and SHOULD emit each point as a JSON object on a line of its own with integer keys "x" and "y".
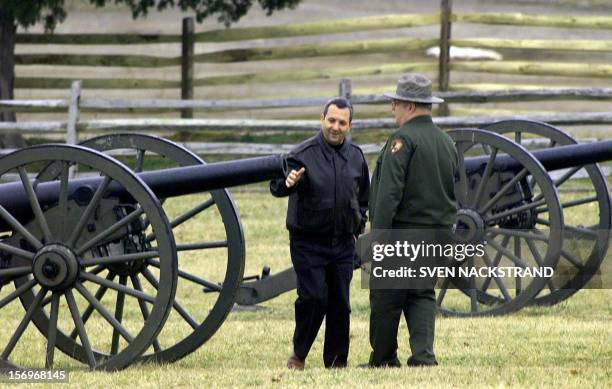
{"x": 105, "y": 229}
{"x": 77, "y": 223}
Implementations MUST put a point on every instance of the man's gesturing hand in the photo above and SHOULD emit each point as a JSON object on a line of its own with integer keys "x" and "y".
{"x": 294, "y": 177}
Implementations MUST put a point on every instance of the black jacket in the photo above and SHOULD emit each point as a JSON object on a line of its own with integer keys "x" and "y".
{"x": 332, "y": 196}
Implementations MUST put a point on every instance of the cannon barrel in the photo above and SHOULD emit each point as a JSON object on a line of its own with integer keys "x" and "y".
{"x": 164, "y": 183}
{"x": 199, "y": 178}
{"x": 556, "y": 158}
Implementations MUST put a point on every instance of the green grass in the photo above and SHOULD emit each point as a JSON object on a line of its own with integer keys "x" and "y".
{"x": 566, "y": 345}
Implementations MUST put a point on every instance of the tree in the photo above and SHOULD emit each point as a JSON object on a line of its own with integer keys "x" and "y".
{"x": 26, "y": 13}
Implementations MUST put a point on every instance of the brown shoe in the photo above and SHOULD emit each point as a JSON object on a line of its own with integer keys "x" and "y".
{"x": 295, "y": 363}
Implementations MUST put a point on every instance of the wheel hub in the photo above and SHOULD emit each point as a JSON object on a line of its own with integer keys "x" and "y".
{"x": 55, "y": 267}
{"x": 470, "y": 226}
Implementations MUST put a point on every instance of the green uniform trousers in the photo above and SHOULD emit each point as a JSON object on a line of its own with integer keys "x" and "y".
{"x": 419, "y": 308}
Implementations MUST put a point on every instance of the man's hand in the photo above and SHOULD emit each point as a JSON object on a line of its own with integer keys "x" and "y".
{"x": 294, "y": 177}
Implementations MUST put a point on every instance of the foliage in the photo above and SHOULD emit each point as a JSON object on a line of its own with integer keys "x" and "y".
{"x": 51, "y": 12}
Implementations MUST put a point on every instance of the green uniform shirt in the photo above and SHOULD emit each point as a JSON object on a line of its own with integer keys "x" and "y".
{"x": 413, "y": 183}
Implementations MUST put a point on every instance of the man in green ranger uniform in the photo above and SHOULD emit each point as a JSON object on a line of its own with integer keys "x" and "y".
{"x": 412, "y": 188}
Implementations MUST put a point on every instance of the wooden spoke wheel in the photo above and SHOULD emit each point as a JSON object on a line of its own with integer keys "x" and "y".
{"x": 495, "y": 207}
{"x": 587, "y": 210}
{"x": 210, "y": 244}
{"x": 53, "y": 228}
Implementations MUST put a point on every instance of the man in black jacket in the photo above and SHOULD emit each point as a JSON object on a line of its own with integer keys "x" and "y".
{"x": 328, "y": 189}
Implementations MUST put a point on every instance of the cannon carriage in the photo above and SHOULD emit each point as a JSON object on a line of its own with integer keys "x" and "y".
{"x": 77, "y": 224}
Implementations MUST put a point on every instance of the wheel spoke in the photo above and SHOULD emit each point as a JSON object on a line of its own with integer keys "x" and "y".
{"x": 63, "y": 198}
{"x": 472, "y": 290}
{"x": 23, "y": 324}
{"x": 503, "y": 191}
{"x": 91, "y": 207}
{"x": 7, "y": 248}
{"x": 144, "y": 309}
{"x": 579, "y": 231}
{"x": 110, "y": 230}
{"x": 15, "y": 271}
{"x": 201, "y": 246}
{"x": 17, "y": 226}
{"x": 119, "y": 258}
{"x": 517, "y": 254}
{"x": 104, "y": 312}
{"x": 52, "y": 331}
{"x": 513, "y": 211}
{"x": 118, "y": 287}
{"x": 561, "y": 180}
{"x": 582, "y": 231}
{"x": 89, "y": 310}
{"x": 80, "y": 328}
{"x": 485, "y": 178}
{"x": 35, "y": 205}
{"x": 571, "y": 259}
{"x": 175, "y": 304}
{"x": 198, "y": 280}
{"x": 538, "y": 259}
{"x": 518, "y": 233}
{"x": 462, "y": 184}
{"x": 118, "y": 315}
{"x": 496, "y": 261}
{"x": 570, "y": 204}
{"x": 139, "y": 160}
{"x": 519, "y": 262}
{"x": 17, "y": 292}
{"x": 98, "y": 269}
{"x": 185, "y": 216}
{"x": 500, "y": 283}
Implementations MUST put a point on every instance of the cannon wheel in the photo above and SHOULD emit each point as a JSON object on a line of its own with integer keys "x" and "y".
{"x": 476, "y": 210}
{"x": 186, "y": 330}
{"x": 52, "y": 256}
{"x": 598, "y": 234}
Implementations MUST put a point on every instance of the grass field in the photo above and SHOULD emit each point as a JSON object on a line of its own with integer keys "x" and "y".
{"x": 568, "y": 345}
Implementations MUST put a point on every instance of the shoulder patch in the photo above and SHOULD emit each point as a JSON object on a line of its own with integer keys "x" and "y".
{"x": 397, "y": 145}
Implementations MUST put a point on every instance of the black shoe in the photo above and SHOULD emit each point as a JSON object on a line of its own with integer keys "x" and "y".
{"x": 414, "y": 363}
{"x": 389, "y": 365}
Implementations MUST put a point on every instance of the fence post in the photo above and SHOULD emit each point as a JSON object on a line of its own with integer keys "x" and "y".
{"x": 72, "y": 136}
{"x": 345, "y": 88}
{"x": 73, "y": 113}
{"x": 444, "y": 59}
{"x": 188, "y": 43}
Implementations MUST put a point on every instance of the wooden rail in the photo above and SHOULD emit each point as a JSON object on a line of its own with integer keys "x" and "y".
{"x": 187, "y": 125}
{"x": 500, "y": 67}
{"x": 102, "y": 105}
{"x": 241, "y": 34}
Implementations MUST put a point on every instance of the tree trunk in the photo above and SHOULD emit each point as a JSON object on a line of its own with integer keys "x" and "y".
{"x": 7, "y": 64}
{"x": 8, "y": 29}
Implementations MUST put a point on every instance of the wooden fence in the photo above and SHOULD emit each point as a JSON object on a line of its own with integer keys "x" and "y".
{"x": 443, "y": 67}
{"x": 73, "y": 126}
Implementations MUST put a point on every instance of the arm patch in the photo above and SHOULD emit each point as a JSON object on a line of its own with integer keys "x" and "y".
{"x": 397, "y": 145}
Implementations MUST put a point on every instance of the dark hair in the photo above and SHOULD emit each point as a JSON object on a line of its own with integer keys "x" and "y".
{"x": 426, "y": 106}
{"x": 341, "y": 103}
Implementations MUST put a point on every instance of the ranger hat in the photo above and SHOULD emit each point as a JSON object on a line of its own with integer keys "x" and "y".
{"x": 414, "y": 88}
